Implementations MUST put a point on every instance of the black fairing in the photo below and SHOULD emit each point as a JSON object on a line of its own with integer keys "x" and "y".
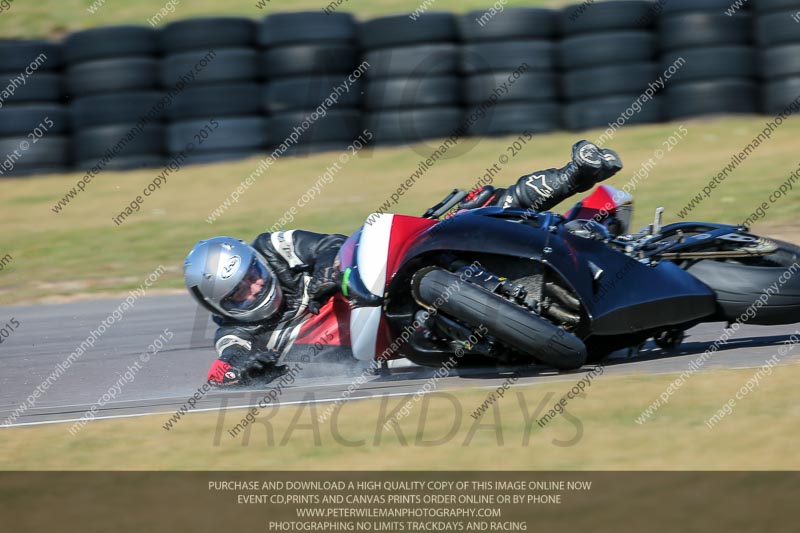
{"x": 620, "y": 295}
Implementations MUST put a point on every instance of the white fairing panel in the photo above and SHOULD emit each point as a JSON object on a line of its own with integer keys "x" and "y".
{"x": 364, "y": 323}
{"x": 372, "y": 254}
{"x": 373, "y": 251}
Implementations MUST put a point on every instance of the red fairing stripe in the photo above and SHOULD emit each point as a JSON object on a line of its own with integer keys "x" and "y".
{"x": 331, "y": 326}
{"x": 405, "y": 230}
{"x": 600, "y": 199}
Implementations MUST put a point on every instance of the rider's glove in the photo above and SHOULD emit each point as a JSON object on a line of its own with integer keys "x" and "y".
{"x": 222, "y": 374}
{"x": 324, "y": 284}
{"x": 244, "y": 369}
{"x": 593, "y": 164}
{"x": 478, "y": 198}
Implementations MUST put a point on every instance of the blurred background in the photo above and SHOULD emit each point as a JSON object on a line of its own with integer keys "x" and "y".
{"x": 100, "y": 101}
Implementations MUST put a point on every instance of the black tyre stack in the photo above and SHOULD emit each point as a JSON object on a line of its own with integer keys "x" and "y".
{"x": 607, "y": 55}
{"x": 514, "y": 50}
{"x": 777, "y": 29}
{"x": 112, "y": 83}
{"x": 212, "y": 65}
{"x": 305, "y": 57}
{"x": 413, "y": 90}
{"x": 718, "y": 75}
{"x": 34, "y": 123}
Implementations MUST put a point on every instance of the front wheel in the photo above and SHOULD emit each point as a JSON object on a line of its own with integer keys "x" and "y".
{"x": 511, "y": 324}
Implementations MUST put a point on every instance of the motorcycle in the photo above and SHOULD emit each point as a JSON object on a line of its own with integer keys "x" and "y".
{"x": 508, "y": 286}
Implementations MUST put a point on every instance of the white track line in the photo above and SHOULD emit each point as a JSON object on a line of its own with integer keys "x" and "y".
{"x": 326, "y": 400}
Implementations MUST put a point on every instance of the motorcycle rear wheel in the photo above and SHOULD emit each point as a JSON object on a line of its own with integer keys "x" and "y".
{"x": 738, "y": 284}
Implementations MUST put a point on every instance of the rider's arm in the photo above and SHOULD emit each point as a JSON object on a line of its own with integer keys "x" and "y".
{"x": 317, "y": 250}
{"x": 301, "y": 250}
{"x": 304, "y": 252}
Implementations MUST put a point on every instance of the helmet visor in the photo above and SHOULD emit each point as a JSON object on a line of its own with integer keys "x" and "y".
{"x": 256, "y": 286}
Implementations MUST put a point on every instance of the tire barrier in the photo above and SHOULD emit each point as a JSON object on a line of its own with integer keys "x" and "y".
{"x": 777, "y": 33}
{"x": 514, "y": 52}
{"x": 132, "y": 96}
{"x": 304, "y": 58}
{"x": 607, "y": 58}
{"x": 32, "y": 108}
{"x": 413, "y": 75}
{"x": 101, "y": 65}
{"x": 719, "y": 72}
{"x": 218, "y": 57}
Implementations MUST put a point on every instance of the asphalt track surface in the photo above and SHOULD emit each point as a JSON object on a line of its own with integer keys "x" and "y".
{"x": 47, "y": 334}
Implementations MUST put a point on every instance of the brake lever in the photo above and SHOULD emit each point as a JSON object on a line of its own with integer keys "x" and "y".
{"x": 449, "y": 201}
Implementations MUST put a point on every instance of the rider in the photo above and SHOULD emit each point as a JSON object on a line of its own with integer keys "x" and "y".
{"x": 281, "y": 293}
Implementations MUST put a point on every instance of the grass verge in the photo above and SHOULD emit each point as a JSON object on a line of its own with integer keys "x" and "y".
{"x": 600, "y": 433}
{"x": 56, "y": 17}
{"x": 82, "y": 251}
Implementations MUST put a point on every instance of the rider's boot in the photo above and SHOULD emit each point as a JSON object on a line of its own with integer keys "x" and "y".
{"x": 543, "y": 190}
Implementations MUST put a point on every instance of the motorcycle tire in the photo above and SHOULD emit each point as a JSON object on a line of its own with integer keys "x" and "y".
{"x": 738, "y": 285}
{"x": 94, "y": 143}
{"x": 124, "y": 162}
{"x": 415, "y": 61}
{"x": 606, "y": 16}
{"x": 43, "y": 87}
{"x": 413, "y": 125}
{"x": 779, "y": 94}
{"x": 712, "y": 62}
{"x": 776, "y": 28}
{"x": 518, "y": 117}
{"x": 115, "y": 108}
{"x": 207, "y": 33}
{"x": 306, "y": 27}
{"x": 50, "y": 153}
{"x": 309, "y": 60}
{"x": 529, "y": 86}
{"x": 770, "y": 5}
{"x": 496, "y": 56}
{"x": 604, "y": 111}
{"x": 307, "y": 93}
{"x": 228, "y": 65}
{"x": 699, "y": 28}
{"x": 712, "y": 97}
{"x": 595, "y": 49}
{"x": 509, "y": 323}
{"x": 340, "y": 125}
{"x": 677, "y": 6}
{"x": 217, "y": 100}
{"x": 24, "y": 119}
{"x": 509, "y": 24}
{"x": 632, "y": 78}
{"x": 16, "y": 55}
{"x": 224, "y": 134}
{"x": 396, "y": 93}
{"x": 110, "y": 42}
{"x": 112, "y": 76}
{"x": 780, "y": 61}
{"x": 400, "y": 30}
